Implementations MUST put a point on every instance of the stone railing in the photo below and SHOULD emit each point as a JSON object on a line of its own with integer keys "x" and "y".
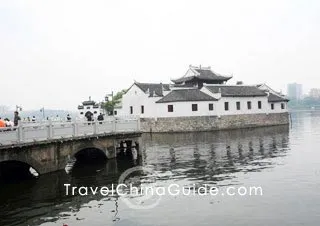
{"x": 50, "y": 130}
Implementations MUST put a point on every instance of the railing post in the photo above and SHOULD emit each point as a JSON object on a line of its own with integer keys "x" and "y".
{"x": 138, "y": 124}
{"x": 113, "y": 125}
{"x": 74, "y": 128}
{"x": 95, "y": 126}
{"x": 50, "y": 129}
{"x": 20, "y": 132}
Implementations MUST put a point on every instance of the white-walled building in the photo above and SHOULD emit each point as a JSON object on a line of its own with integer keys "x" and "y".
{"x": 89, "y": 107}
{"x": 200, "y": 92}
{"x": 191, "y": 97}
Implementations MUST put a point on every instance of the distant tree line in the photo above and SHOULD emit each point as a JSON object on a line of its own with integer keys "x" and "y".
{"x": 306, "y": 103}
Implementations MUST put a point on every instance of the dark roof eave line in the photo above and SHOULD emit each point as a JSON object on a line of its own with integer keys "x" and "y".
{"x": 242, "y": 95}
{"x": 161, "y": 102}
{"x": 277, "y": 101}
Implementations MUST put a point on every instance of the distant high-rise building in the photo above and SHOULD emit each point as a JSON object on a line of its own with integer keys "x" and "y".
{"x": 315, "y": 93}
{"x": 294, "y": 91}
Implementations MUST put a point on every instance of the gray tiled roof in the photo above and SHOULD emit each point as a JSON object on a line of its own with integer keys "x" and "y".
{"x": 237, "y": 91}
{"x": 154, "y": 88}
{"x": 275, "y": 98}
{"x": 186, "y": 95}
{"x": 88, "y": 102}
{"x": 204, "y": 74}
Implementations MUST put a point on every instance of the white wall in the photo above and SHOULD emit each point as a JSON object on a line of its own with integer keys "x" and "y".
{"x": 277, "y": 107}
{"x": 185, "y": 109}
{"x": 243, "y": 105}
{"x": 91, "y": 109}
{"x": 135, "y": 97}
{"x": 265, "y": 106}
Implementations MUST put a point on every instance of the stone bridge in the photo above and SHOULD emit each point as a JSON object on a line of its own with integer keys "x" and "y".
{"x": 52, "y": 153}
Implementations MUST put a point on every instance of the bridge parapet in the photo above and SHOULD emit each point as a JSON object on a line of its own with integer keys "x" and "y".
{"x": 45, "y": 131}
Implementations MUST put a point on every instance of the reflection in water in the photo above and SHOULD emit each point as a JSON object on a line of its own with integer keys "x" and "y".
{"x": 208, "y": 157}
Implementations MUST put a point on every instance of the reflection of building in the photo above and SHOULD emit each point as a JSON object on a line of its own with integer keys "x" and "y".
{"x": 89, "y": 106}
{"x": 294, "y": 91}
{"x": 202, "y": 93}
{"x": 314, "y": 93}
{"x": 211, "y": 157}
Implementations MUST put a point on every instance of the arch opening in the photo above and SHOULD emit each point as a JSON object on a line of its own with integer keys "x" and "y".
{"x": 87, "y": 161}
{"x": 90, "y": 155}
{"x": 12, "y": 171}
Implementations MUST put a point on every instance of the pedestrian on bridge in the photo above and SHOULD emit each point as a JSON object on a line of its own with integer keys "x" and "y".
{"x": 16, "y": 118}
{"x": 100, "y": 118}
{"x": 68, "y": 118}
{"x": 8, "y": 122}
{"x": 2, "y": 123}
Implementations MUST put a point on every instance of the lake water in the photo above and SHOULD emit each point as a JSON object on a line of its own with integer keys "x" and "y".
{"x": 284, "y": 161}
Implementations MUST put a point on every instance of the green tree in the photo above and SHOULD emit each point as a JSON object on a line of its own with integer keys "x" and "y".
{"x": 109, "y": 105}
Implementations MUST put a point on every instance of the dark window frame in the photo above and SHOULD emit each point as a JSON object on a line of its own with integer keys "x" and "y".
{"x": 211, "y": 108}
{"x": 283, "y": 106}
{"x": 131, "y": 110}
{"x": 238, "y": 105}
{"x": 249, "y": 105}
{"x": 170, "y": 107}
{"x": 272, "y": 106}
{"x": 142, "y": 109}
{"x": 226, "y": 106}
{"x": 259, "y": 104}
{"x": 194, "y": 107}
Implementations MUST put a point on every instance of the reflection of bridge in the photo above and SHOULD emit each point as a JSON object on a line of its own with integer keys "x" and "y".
{"x": 50, "y": 145}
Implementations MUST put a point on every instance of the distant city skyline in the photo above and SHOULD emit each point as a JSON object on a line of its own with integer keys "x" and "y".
{"x": 294, "y": 91}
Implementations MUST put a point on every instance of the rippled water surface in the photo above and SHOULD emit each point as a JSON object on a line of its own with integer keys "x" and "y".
{"x": 284, "y": 161}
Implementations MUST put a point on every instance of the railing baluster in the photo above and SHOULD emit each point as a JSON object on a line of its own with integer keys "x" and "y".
{"x": 50, "y": 130}
{"x": 25, "y": 132}
{"x": 95, "y": 126}
{"x": 113, "y": 125}
{"x": 20, "y": 132}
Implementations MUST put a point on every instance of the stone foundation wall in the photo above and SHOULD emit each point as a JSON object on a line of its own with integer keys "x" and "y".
{"x": 208, "y": 123}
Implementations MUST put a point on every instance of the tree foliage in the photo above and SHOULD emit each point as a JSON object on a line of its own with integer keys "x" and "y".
{"x": 109, "y": 105}
{"x": 306, "y": 103}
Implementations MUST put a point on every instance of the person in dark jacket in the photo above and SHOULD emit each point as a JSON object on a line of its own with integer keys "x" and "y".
{"x": 89, "y": 115}
{"x": 16, "y": 118}
{"x": 100, "y": 118}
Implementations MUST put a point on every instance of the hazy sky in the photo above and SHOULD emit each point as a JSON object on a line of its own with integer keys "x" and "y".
{"x": 57, "y": 53}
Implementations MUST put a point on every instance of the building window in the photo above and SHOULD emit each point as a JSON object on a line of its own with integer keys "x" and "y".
{"x": 249, "y": 105}
{"x": 170, "y": 108}
{"x": 131, "y": 110}
{"x": 238, "y": 105}
{"x": 272, "y": 106}
{"x": 142, "y": 109}
{"x": 88, "y": 107}
{"x": 226, "y": 106}
{"x": 115, "y": 112}
{"x": 210, "y": 107}
{"x": 259, "y": 105}
{"x": 194, "y": 107}
{"x": 282, "y": 106}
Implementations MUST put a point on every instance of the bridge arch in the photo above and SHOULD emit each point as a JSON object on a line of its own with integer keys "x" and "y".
{"x": 90, "y": 154}
{"x": 96, "y": 147}
{"x": 15, "y": 170}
